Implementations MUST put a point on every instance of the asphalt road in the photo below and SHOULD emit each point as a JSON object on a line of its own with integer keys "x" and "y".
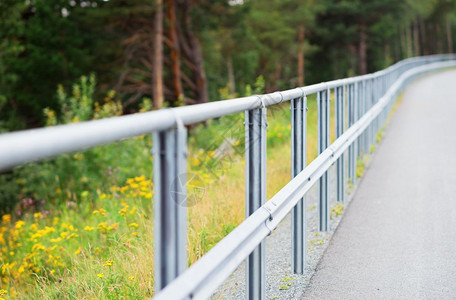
{"x": 397, "y": 239}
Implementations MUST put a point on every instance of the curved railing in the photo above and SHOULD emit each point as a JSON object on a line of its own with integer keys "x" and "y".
{"x": 361, "y": 106}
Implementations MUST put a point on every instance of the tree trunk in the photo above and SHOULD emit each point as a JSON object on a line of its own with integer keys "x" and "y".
{"x": 231, "y": 80}
{"x": 438, "y": 34}
{"x": 301, "y": 56}
{"x": 397, "y": 47}
{"x": 362, "y": 50}
{"x": 449, "y": 34}
{"x": 157, "y": 60}
{"x": 416, "y": 39}
{"x": 196, "y": 56}
{"x": 408, "y": 33}
{"x": 424, "y": 46}
{"x": 387, "y": 52}
{"x": 199, "y": 74}
{"x": 403, "y": 38}
{"x": 175, "y": 53}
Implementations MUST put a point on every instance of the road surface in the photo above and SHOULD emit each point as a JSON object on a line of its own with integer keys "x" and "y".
{"x": 397, "y": 239}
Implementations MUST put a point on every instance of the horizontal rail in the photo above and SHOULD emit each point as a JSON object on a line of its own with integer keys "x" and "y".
{"x": 31, "y": 145}
{"x": 205, "y": 275}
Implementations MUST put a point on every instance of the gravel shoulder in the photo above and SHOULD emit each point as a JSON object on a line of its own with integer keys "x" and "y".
{"x": 282, "y": 283}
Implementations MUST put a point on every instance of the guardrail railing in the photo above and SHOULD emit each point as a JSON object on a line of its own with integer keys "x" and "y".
{"x": 361, "y": 107}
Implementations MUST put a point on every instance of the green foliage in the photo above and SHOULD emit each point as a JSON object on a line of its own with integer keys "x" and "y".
{"x": 336, "y": 210}
{"x": 361, "y": 163}
{"x": 71, "y": 177}
{"x": 78, "y": 106}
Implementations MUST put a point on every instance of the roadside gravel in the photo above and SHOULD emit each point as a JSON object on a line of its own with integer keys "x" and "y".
{"x": 281, "y": 282}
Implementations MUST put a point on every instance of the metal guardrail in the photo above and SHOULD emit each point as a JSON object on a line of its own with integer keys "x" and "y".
{"x": 361, "y": 106}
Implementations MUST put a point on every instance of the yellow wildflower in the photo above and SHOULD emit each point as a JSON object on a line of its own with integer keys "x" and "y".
{"x": 133, "y": 210}
{"x": 100, "y": 211}
{"x": 72, "y": 235}
{"x": 134, "y": 233}
{"x": 123, "y": 211}
{"x": 21, "y": 269}
{"x": 13, "y": 292}
{"x": 108, "y": 263}
{"x": 131, "y": 277}
{"x": 38, "y": 247}
{"x": 196, "y": 162}
{"x": 19, "y": 224}
{"x": 133, "y": 225}
{"x": 100, "y": 275}
{"x": 102, "y": 226}
{"x": 37, "y": 215}
{"x": 78, "y": 251}
{"x": 6, "y": 219}
{"x": 113, "y": 226}
{"x": 89, "y": 228}
{"x": 3, "y": 292}
{"x": 140, "y": 178}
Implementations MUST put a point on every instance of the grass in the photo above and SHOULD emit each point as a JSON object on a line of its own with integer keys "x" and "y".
{"x": 93, "y": 239}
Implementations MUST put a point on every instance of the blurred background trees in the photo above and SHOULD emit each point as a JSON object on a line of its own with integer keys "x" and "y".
{"x": 181, "y": 52}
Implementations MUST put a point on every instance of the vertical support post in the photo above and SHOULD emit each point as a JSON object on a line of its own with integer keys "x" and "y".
{"x": 350, "y": 122}
{"x": 170, "y": 204}
{"x": 323, "y": 99}
{"x": 255, "y": 195}
{"x": 298, "y": 163}
{"x": 354, "y": 112}
{"x": 363, "y": 111}
{"x": 367, "y": 101}
{"x": 359, "y": 105}
{"x": 340, "y": 123}
{"x": 372, "y": 103}
{"x": 355, "y": 118}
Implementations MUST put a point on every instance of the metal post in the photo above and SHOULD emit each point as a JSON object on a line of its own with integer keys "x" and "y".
{"x": 340, "y": 123}
{"x": 350, "y": 116}
{"x": 359, "y": 100}
{"x": 367, "y": 102}
{"x": 364, "y": 109}
{"x": 323, "y": 99}
{"x": 255, "y": 195}
{"x": 170, "y": 204}
{"x": 298, "y": 163}
{"x": 354, "y": 119}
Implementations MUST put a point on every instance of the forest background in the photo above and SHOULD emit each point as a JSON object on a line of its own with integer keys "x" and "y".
{"x": 181, "y": 52}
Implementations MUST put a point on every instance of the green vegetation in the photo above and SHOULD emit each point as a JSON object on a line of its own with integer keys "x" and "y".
{"x": 336, "y": 210}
